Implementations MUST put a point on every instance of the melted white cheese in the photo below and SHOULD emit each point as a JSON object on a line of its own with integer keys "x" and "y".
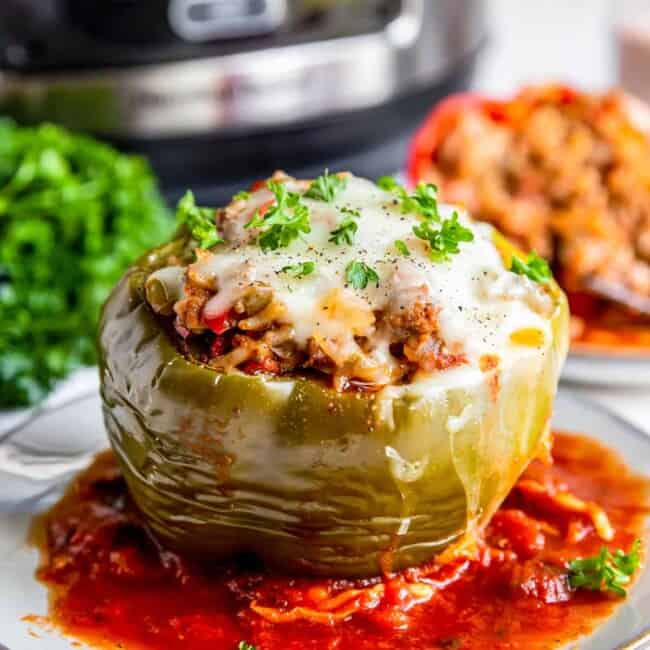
{"x": 479, "y": 320}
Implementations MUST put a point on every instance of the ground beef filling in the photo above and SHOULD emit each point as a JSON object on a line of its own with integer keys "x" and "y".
{"x": 565, "y": 174}
{"x": 252, "y": 337}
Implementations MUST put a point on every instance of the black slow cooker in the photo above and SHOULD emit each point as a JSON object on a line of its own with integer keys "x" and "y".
{"x": 218, "y": 92}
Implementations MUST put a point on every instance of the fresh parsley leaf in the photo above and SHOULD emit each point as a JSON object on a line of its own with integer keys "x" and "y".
{"x": 534, "y": 267}
{"x": 359, "y": 274}
{"x": 244, "y": 645}
{"x": 628, "y": 563}
{"x": 74, "y": 214}
{"x": 387, "y": 183}
{"x": 325, "y": 187}
{"x": 402, "y": 248}
{"x": 200, "y": 221}
{"x": 605, "y": 571}
{"x": 423, "y": 201}
{"x": 444, "y": 240}
{"x": 299, "y": 270}
{"x": 242, "y": 196}
{"x": 283, "y": 222}
{"x": 347, "y": 229}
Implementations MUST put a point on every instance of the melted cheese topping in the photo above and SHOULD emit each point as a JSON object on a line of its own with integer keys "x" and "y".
{"x": 481, "y": 303}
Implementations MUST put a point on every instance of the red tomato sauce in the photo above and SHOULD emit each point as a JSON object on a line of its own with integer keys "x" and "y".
{"x": 113, "y": 585}
{"x": 608, "y": 339}
{"x": 600, "y": 327}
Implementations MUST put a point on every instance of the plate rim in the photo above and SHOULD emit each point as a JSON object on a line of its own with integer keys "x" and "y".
{"x": 610, "y": 352}
{"x": 638, "y": 641}
{"x": 639, "y": 638}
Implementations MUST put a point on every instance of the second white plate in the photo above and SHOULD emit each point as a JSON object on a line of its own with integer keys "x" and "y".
{"x": 37, "y": 460}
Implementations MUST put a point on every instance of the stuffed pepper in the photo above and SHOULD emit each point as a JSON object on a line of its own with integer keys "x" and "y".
{"x": 337, "y": 376}
{"x": 566, "y": 174}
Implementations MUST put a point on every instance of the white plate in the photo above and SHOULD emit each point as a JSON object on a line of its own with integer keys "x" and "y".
{"x": 613, "y": 369}
{"x": 38, "y": 459}
{"x": 595, "y": 369}
{"x": 84, "y": 381}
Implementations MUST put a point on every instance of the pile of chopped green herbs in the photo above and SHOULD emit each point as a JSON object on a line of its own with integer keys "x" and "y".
{"x": 74, "y": 213}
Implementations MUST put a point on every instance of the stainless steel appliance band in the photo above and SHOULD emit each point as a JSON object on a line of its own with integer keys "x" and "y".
{"x": 261, "y": 88}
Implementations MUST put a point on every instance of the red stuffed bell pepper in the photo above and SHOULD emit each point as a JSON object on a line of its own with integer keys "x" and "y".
{"x": 560, "y": 172}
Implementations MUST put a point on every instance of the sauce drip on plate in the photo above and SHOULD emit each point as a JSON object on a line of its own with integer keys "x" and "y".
{"x": 114, "y": 586}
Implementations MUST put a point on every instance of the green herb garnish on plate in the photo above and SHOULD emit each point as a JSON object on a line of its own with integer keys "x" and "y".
{"x": 606, "y": 571}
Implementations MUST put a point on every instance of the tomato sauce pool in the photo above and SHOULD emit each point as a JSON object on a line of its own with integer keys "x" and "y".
{"x": 114, "y": 586}
{"x": 601, "y": 327}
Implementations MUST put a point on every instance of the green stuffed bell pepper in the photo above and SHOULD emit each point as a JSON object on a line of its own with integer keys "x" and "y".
{"x": 337, "y": 377}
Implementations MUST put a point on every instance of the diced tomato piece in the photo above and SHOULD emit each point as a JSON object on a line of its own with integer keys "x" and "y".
{"x": 567, "y": 94}
{"x": 264, "y": 208}
{"x": 258, "y": 185}
{"x": 219, "y": 324}
{"x": 266, "y": 367}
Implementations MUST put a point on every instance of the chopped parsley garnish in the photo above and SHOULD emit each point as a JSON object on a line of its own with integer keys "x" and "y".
{"x": 359, "y": 274}
{"x": 242, "y": 196}
{"x": 605, "y": 571}
{"x": 200, "y": 221}
{"x": 534, "y": 267}
{"x": 444, "y": 240}
{"x": 283, "y": 222}
{"x": 387, "y": 183}
{"x": 347, "y": 229}
{"x": 325, "y": 187}
{"x": 423, "y": 201}
{"x": 74, "y": 214}
{"x": 244, "y": 645}
{"x": 299, "y": 270}
{"x": 402, "y": 247}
